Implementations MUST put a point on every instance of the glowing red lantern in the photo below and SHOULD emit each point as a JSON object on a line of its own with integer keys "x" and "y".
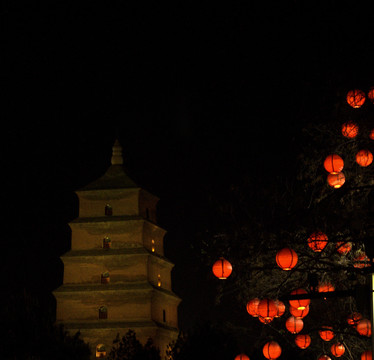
{"x": 336, "y": 180}
{"x": 299, "y": 304}
{"x": 324, "y": 357}
{"x": 361, "y": 260}
{"x": 333, "y": 164}
{"x": 252, "y": 307}
{"x": 363, "y": 327}
{"x": 222, "y": 269}
{"x": 272, "y": 350}
{"x": 354, "y": 318}
{"x": 267, "y": 309}
{"x": 286, "y": 258}
{"x": 302, "y": 341}
{"x": 371, "y": 134}
{"x": 350, "y": 129}
{"x": 343, "y": 248}
{"x": 356, "y": 98}
{"x": 299, "y": 313}
{"x": 337, "y": 349}
{"x": 281, "y": 308}
{"x": 242, "y": 357}
{"x": 325, "y": 287}
{"x": 367, "y": 355}
{"x": 364, "y": 158}
{"x": 294, "y": 325}
{"x": 326, "y": 334}
{"x": 318, "y": 241}
{"x": 371, "y": 94}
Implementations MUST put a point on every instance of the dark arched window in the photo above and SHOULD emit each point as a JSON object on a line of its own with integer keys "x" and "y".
{"x": 108, "y": 210}
{"x": 103, "y": 312}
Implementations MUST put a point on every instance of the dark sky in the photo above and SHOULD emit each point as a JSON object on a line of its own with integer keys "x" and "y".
{"x": 199, "y": 95}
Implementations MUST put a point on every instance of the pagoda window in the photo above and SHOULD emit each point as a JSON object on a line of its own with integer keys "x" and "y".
{"x": 103, "y": 312}
{"x": 108, "y": 210}
{"x": 107, "y": 243}
{"x": 153, "y": 245}
{"x": 105, "y": 278}
{"x": 164, "y": 315}
{"x": 159, "y": 283}
{"x": 100, "y": 351}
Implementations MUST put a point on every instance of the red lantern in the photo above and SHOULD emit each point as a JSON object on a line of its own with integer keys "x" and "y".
{"x": 242, "y": 357}
{"x": 363, "y": 327}
{"x": 350, "y": 129}
{"x": 371, "y": 94}
{"x": 252, "y": 307}
{"x": 272, "y": 350}
{"x": 333, "y": 164}
{"x": 267, "y": 309}
{"x": 318, "y": 241}
{"x": 281, "y": 308}
{"x": 286, "y": 259}
{"x": 364, "y": 158}
{"x": 299, "y": 313}
{"x": 367, "y": 355}
{"x": 337, "y": 349}
{"x": 268, "y": 320}
{"x": 222, "y": 269}
{"x": 325, "y": 287}
{"x": 361, "y": 260}
{"x": 371, "y": 134}
{"x": 294, "y": 325}
{"x": 299, "y": 304}
{"x": 336, "y": 180}
{"x": 343, "y": 248}
{"x": 326, "y": 334}
{"x": 356, "y": 98}
{"x": 302, "y": 341}
{"x": 324, "y": 357}
{"x": 354, "y": 318}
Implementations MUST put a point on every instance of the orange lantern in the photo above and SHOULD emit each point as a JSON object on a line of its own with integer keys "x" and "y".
{"x": 302, "y": 341}
{"x": 222, "y": 269}
{"x": 286, "y": 258}
{"x": 326, "y": 334}
{"x": 364, "y": 158}
{"x": 371, "y": 94}
{"x": 361, "y": 260}
{"x": 294, "y": 325}
{"x": 272, "y": 350}
{"x": 242, "y": 357}
{"x": 325, "y": 287}
{"x": 324, "y": 357}
{"x": 299, "y": 304}
{"x": 343, "y": 248}
{"x": 350, "y": 129}
{"x": 333, "y": 164}
{"x": 371, "y": 134}
{"x": 337, "y": 349}
{"x": 356, "y": 98}
{"x": 281, "y": 308}
{"x": 317, "y": 241}
{"x": 299, "y": 313}
{"x": 354, "y": 318}
{"x": 367, "y": 355}
{"x": 336, "y": 180}
{"x": 267, "y": 309}
{"x": 363, "y": 327}
{"x": 252, "y": 307}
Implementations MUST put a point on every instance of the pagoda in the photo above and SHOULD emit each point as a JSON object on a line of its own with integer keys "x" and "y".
{"x": 116, "y": 276}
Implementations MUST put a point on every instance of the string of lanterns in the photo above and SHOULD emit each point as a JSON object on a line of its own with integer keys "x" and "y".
{"x": 286, "y": 259}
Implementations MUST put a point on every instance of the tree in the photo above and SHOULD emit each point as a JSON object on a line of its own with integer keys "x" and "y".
{"x": 129, "y": 348}
{"x": 258, "y": 217}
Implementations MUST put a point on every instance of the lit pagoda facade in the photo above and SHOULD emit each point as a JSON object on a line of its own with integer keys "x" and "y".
{"x": 116, "y": 277}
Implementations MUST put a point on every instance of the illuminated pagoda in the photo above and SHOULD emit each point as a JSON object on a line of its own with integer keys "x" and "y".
{"x": 116, "y": 277}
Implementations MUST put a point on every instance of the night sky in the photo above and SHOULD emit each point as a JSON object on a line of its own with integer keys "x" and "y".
{"x": 200, "y": 96}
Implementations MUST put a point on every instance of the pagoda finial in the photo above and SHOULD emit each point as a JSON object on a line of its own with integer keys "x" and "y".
{"x": 117, "y": 158}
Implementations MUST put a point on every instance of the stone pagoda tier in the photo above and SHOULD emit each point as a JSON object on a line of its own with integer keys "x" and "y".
{"x": 116, "y": 277}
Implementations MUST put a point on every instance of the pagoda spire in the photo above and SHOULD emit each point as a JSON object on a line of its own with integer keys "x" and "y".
{"x": 117, "y": 158}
